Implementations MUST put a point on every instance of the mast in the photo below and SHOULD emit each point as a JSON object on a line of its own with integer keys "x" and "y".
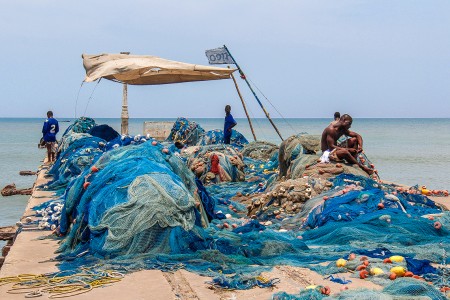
{"x": 254, "y": 94}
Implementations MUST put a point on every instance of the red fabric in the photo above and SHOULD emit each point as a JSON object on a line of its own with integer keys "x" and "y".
{"x": 215, "y": 164}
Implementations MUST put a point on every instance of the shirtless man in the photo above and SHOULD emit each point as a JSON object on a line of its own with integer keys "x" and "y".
{"x": 336, "y": 153}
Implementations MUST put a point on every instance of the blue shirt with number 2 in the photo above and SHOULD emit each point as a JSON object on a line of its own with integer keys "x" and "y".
{"x": 50, "y": 130}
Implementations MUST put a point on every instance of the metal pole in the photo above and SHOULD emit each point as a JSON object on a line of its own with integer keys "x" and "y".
{"x": 254, "y": 94}
{"x": 124, "y": 115}
{"x": 243, "y": 104}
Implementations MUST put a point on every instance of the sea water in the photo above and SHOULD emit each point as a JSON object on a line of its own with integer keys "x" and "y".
{"x": 407, "y": 151}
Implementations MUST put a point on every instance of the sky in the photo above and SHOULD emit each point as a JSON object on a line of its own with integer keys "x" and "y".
{"x": 371, "y": 59}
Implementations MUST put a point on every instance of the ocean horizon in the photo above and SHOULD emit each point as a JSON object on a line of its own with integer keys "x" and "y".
{"x": 408, "y": 151}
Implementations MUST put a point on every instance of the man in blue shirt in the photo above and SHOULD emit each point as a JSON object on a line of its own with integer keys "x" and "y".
{"x": 49, "y": 131}
{"x": 229, "y": 123}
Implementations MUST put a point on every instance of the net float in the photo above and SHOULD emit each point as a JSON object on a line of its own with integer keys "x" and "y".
{"x": 86, "y": 184}
{"x": 437, "y": 225}
{"x": 352, "y": 256}
{"x": 392, "y": 276}
{"x": 363, "y": 274}
{"x": 341, "y": 262}
{"x": 94, "y": 169}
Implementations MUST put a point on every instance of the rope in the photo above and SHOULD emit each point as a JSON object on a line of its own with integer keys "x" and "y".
{"x": 78, "y": 96}
{"x": 90, "y": 97}
{"x": 60, "y": 286}
{"x": 271, "y": 104}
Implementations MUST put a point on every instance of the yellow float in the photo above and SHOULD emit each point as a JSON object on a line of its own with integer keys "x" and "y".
{"x": 397, "y": 258}
{"x": 399, "y": 271}
{"x": 376, "y": 271}
{"x": 341, "y": 262}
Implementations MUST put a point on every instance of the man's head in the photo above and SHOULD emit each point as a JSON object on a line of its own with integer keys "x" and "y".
{"x": 227, "y": 109}
{"x": 346, "y": 121}
{"x": 49, "y": 114}
{"x": 337, "y": 115}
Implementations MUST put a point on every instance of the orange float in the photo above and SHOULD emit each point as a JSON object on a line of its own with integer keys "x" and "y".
{"x": 363, "y": 274}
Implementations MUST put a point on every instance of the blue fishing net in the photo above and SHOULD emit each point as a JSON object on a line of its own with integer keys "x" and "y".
{"x": 134, "y": 203}
{"x": 215, "y": 136}
{"x": 185, "y": 131}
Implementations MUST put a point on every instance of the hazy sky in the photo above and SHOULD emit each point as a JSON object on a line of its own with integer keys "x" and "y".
{"x": 310, "y": 58}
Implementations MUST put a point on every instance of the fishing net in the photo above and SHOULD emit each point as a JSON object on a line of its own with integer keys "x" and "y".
{"x": 215, "y": 136}
{"x": 216, "y": 163}
{"x": 294, "y": 147}
{"x": 135, "y": 203}
{"x": 260, "y": 150}
{"x": 104, "y": 132}
{"x": 188, "y": 132}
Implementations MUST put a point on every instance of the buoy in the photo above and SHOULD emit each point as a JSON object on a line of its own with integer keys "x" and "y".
{"x": 392, "y": 276}
{"x": 360, "y": 267}
{"x": 399, "y": 271}
{"x": 325, "y": 290}
{"x": 437, "y": 225}
{"x": 325, "y": 198}
{"x": 366, "y": 263}
{"x": 165, "y": 150}
{"x": 387, "y": 261}
{"x": 226, "y": 225}
{"x": 154, "y": 143}
{"x": 397, "y": 258}
{"x": 341, "y": 262}
{"x": 380, "y": 205}
{"x": 363, "y": 274}
{"x": 86, "y": 184}
{"x": 94, "y": 169}
{"x": 352, "y": 256}
{"x": 376, "y": 271}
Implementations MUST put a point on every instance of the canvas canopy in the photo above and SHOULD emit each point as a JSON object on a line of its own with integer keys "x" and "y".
{"x": 147, "y": 70}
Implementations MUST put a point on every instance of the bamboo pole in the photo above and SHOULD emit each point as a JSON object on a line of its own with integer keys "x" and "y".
{"x": 243, "y": 104}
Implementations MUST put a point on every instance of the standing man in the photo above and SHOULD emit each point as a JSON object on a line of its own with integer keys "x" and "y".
{"x": 49, "y": 131}
{"x": 330, "y": 149}
{"x": 229, "y": 123}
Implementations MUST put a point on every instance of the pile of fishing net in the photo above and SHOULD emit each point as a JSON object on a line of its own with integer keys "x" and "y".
{"x": 401, "y": 289}
{"x": 216, "y": 136}
{"x": 260, "y": 150}
{"x": 188, "y": 132}
{"x": 215, "y": 163}
{"x": 191, "y": 134}
{"x": 139, "y": 206}
{"x": 299, "y": 156}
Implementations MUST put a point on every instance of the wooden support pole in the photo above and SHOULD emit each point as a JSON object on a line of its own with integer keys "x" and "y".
{"x": 243, "y": 104}
{"x": 124, "y": 115}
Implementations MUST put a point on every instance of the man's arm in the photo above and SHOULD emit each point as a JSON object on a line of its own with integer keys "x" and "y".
{"x": 45, "y": 128}
{"x": 231, "y": 126}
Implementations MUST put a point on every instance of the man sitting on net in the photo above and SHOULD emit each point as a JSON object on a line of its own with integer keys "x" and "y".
{"x": 349, "y": 152}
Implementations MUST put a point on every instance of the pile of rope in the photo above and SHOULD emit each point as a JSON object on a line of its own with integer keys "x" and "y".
{"x": 58, "y": 285}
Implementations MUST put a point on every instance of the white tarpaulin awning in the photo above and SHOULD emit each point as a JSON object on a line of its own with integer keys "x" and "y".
{"x": 147, "y": 70}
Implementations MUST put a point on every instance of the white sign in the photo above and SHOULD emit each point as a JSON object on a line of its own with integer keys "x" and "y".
{"x": 219, "y": 56}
